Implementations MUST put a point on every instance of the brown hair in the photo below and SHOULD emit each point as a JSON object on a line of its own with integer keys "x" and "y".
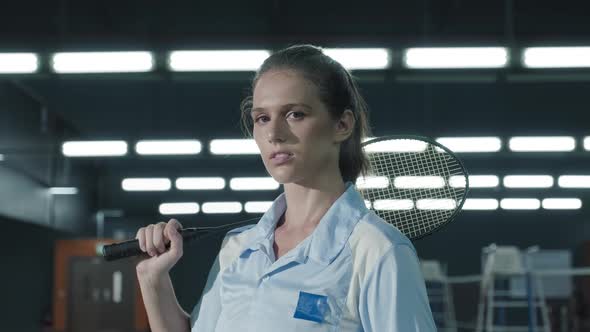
{"x": 337, "y": 90}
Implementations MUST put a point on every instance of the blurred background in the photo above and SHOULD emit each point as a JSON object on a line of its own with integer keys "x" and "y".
{"x": 88, "y": 89}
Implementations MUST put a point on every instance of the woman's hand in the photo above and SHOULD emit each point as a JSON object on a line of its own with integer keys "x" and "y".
{"x": 152, "y": 240}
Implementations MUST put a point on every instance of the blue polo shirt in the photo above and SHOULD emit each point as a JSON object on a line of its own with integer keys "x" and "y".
{"x": 355, "y": 272}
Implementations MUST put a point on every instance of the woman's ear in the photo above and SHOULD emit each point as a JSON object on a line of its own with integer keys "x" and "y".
{"x": 344, "y": 126}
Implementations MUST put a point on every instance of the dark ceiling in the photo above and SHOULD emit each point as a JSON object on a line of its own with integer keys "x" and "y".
{"x": 59, "y": 25}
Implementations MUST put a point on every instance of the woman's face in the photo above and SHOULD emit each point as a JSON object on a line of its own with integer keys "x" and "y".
{"x": 292, "y": 128}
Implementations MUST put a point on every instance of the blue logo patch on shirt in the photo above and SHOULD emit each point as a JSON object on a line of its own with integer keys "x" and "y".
{"x": 311, "y": 307}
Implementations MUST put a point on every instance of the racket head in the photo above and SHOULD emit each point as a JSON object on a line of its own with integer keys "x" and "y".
{"x": 419, "y": 184}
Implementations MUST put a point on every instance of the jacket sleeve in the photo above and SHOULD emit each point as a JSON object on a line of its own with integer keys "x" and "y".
{"x": 393, "y": 296}
{"x": 206, "y": 312}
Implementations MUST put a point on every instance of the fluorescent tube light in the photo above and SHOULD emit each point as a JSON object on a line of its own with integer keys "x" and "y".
{"x": 562, "y": 203}
{"x": 418, "y": 182}
{"x": 372, "y": 182}
{"x": 257, "y": 207}
{"x": 253, "y": 183}
{"x": 393, "y": 204}
{"x": 520, "y": 204}
{"x": 542, "y": 144}
{"x": 200, "y": 183}
{"x": 528, "y": 181}
{"x": 222, "y": 207}
{"x": 102, "y": 62}
{"x": 146, "y": 184}
{"x": 574, "y": 181}
{"x": 179, "y": 208}
{"x": 471, "y": 144}
{"x": 405, "y": 145}
{"x": 233, "y": 146}
{"x": 455, "y": 57}
{"x": 436, "y": 204}
{"x": 215, "y": 60}
{"x": 63, "y": 190}
{"x": 360, "y": 58}
{"x": 94, "y": 148}
{"x": 18, "y": 63}
{"x": 168, "y": 147}
{"x": 475, "y": 181}
{"x": 480, "y": 204}
{"x": 556, "y": 57}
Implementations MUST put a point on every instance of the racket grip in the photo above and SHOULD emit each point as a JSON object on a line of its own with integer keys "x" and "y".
{"x": 131, "y": 248}
{"x": 120, "y": 250}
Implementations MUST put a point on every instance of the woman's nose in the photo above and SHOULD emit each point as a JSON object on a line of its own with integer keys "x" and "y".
{"x": 276, "y": 131}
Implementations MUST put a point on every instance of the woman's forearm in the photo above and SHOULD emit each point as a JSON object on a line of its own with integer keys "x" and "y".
{"x": 163, "y": 311}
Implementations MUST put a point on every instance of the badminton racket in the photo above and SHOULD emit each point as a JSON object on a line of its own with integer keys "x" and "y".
{"x": 414, "y": 183}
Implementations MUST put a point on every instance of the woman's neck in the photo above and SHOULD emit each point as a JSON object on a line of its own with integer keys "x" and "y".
{"x": 307, "y": 204}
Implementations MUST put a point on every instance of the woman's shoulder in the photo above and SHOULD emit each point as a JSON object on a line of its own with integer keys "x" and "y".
{"x": 237, "y": 237}
{"x": 234, "y": 242}
{"x": 372, "y": 228}
{"x": 372, "y": 238}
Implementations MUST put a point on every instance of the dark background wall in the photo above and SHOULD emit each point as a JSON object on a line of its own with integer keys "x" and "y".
{"x": 31, "y": 219}
{"x": 26, "y": 278}
{"x": 30, "y": 136}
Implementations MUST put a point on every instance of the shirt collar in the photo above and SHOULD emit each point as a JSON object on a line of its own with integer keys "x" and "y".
{"x": 335, "y": 227}
{"x": 263, "y": 231}
{"x": 330, "y": 235}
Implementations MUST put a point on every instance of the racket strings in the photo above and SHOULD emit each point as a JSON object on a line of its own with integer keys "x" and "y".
{"x": 425, "y": 199}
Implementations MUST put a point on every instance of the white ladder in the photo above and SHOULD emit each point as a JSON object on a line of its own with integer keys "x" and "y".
{"x": 439, "y": 296}
{"x": 501, "y": 264}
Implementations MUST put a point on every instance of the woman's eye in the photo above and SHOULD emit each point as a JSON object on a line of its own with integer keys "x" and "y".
{"x": 296, "y": 115}
{"x": 262, "y": 118}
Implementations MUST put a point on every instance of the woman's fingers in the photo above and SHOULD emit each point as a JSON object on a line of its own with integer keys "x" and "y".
{"x": 152, "y": 240}
{"x": 159, "y": 238}
{"x": 140, "y": 236}
{"x": 154, "y": 237}
{"x": 149, "y": 240}
{"x": 171, "y": 231}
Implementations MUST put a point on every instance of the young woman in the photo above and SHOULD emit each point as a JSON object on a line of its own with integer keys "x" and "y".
{"x": 318, "y": 259}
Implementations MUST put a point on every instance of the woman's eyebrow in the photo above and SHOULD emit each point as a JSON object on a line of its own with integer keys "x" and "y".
{"x": 286, "y": 106}
{"x": 299, "y": 104}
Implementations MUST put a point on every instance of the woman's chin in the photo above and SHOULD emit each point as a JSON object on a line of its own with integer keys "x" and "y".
{"x": 283, "y": 177}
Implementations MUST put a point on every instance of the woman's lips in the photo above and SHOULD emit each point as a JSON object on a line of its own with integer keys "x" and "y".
{"x": 281, "y": 158}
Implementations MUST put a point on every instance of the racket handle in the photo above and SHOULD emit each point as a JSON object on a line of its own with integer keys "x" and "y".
{"x": 131, "y": 248}
{"x": 120, "y": 250}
